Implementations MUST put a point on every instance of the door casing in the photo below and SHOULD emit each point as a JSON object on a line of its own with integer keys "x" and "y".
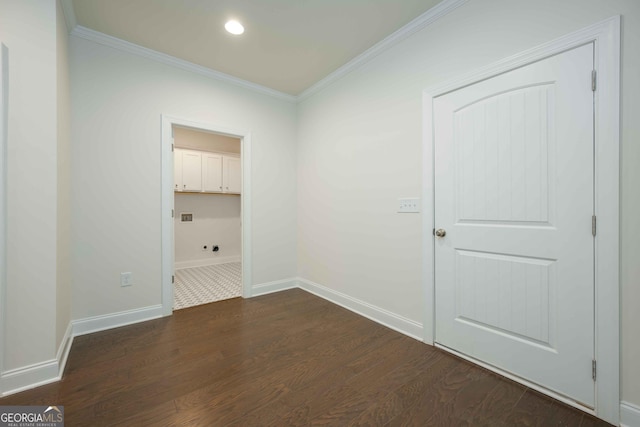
{"x": 168, "y": 260}
{"x": 606, "y": 37}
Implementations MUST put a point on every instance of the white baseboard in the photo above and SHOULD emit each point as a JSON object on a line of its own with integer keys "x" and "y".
{"x": 391, "y": 320}
{"x": 629, "y": 414}
{"x": 64, "y": 349}
{"x": 115, "y": 320}
{"x": 28, "y": 377}
{"x": 207, "y": 261}
{"x": 38, "y": 374}
{"x": 275, "y": 286}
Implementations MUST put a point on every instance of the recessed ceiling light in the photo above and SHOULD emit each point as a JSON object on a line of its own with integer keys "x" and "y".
{"x": 234, "y": 27}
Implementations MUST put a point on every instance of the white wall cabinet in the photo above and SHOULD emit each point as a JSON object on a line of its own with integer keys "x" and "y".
{"x": 191, "y": 171}
{"x": 212, "y": 172}
{"x": 177, "y": 169}
{"x": 187, "y": 170}
{"x": 201, "y": 171}
{"x": 232, "y": 174}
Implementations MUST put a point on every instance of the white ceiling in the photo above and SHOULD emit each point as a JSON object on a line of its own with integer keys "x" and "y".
{"x": 288, "y": 45}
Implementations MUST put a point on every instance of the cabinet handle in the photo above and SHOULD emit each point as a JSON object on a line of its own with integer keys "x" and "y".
{"x": 184, "y": 186}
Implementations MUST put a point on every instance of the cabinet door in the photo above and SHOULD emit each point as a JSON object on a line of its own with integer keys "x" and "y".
{"x": 191, "y": 171}
{"x": 211, "y": 172}
{"x": 232, "y": 173}
{"x": 177, "y": 169}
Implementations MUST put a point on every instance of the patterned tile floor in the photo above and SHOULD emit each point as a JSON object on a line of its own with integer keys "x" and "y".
{"x": 202, "y": 285}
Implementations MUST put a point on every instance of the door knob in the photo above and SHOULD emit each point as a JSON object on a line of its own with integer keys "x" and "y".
{"x": 440, "y": 232}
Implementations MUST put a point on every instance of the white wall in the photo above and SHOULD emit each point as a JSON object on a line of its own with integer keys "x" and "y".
{"x": 216, "y": 221}
{"x": 359, "y": 149}
{"x": 63, "y": 251}
{"x": 28, "y": 28}
{"x": 117, "y": 102}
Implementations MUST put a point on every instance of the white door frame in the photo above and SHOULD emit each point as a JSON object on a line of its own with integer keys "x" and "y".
{"x": 606, "y": 36}
{"x": 168, "y": 260}
{"x": 4, "y": 98}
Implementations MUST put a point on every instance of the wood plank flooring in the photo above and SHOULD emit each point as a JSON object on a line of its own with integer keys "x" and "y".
{"x": 283, "y": 359}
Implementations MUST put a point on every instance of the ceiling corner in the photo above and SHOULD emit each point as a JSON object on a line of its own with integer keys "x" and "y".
{"x": 69, "y": 14}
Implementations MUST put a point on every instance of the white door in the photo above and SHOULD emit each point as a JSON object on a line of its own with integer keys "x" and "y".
{"x": 514, "y": 273}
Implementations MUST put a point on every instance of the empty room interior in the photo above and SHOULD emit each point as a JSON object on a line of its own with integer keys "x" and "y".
{"x": 284, "y": 212}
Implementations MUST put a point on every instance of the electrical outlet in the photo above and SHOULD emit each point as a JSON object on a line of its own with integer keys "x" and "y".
{"x": 126, "y": 279}
{"x": 409, "y": 205}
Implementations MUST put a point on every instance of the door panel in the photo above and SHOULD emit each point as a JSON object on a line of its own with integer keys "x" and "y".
{"x": 502, "y": 157}
{"x": 508, "y": 294}
{"x": 514, "y": 192}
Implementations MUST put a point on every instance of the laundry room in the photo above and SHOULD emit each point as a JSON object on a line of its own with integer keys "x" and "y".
{"x": 207, "y": 224}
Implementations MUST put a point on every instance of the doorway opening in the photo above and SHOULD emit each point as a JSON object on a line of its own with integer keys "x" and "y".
{"x": 206, "y": 231}
{"x": 207, "y": 220}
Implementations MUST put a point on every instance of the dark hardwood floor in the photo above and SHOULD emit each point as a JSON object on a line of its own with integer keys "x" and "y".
{"x": 282, "y": 359}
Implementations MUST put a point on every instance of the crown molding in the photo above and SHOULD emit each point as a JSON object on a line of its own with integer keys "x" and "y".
{"x": 421, "y": 22}
{"x": 69, "y": 14}
{"x": 116, "y": 43}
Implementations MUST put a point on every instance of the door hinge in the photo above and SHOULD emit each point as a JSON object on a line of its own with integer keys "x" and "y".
{"x": 593, "y": 369}
{"x": 593, "y": 80}
{"x": 173, "y": 279}
{"x": 172, "y": 213}
{"x": 593, "y": 225}
{"x": 172, "y": 148}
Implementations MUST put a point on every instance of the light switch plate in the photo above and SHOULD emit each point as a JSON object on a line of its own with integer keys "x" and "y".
{"x": 409, "y": 205}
